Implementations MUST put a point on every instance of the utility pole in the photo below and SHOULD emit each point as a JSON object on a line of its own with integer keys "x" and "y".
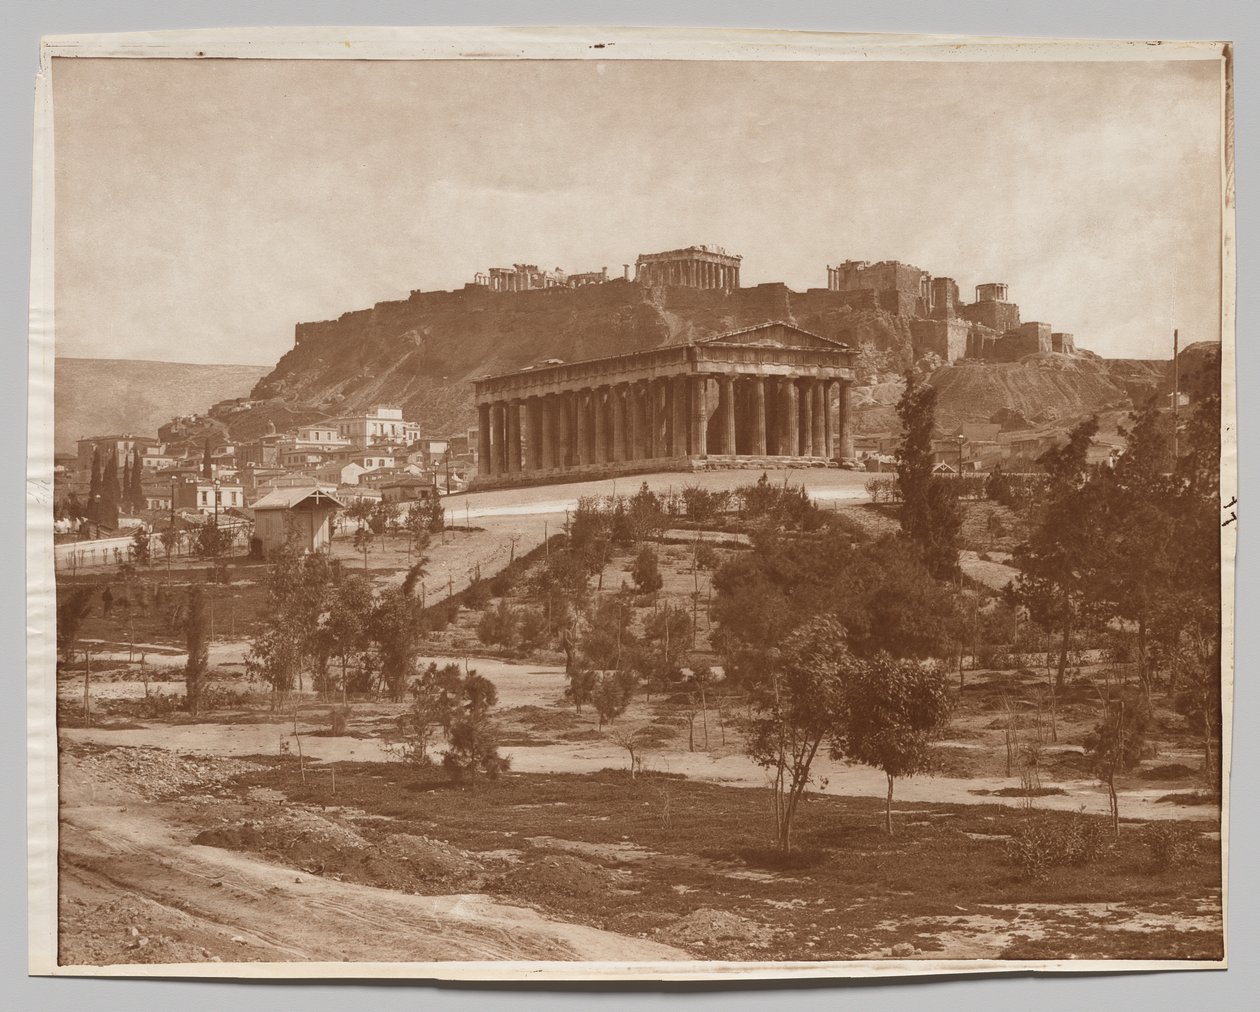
{"x": 1176, "y": 395}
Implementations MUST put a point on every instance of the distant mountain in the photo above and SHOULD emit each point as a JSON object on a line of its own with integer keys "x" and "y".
{"x": 100, "y": 396}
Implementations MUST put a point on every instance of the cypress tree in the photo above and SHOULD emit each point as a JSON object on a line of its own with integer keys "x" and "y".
{"x": 124, "y": 500}
{"x": 207, "y": 465}
{"x": 137, "y": 482}
{"x": 94, "y": 489}
{"x": 110, "y": 493}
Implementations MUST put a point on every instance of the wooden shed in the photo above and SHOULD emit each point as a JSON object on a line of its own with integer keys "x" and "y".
{"x": 302, "y": 513}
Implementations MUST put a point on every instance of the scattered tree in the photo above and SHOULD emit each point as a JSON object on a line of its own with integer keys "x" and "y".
{"x": 196, "y": 639}
{"x": 895, "y": 709}
{"x": 929, "y": 512}
{"x": 798, "y": 704}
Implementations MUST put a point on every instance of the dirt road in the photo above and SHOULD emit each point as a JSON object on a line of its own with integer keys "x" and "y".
{"x": 135, "y": 890}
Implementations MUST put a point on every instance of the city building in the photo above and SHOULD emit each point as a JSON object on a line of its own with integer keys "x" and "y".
{"x": 206, "y": 496}
{"x": 382, "y": 424}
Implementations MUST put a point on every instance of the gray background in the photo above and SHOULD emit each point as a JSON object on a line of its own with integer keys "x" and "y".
{"x": 1206, "y": 19}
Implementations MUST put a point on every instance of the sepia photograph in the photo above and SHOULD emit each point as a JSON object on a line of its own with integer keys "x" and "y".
{"x": 627, "y": 504}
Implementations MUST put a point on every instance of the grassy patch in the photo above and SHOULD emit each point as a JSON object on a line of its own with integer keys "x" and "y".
{"x": 640, "y": 855}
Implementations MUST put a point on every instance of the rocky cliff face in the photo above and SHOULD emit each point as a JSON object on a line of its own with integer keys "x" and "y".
{"x": 422, "y": 353}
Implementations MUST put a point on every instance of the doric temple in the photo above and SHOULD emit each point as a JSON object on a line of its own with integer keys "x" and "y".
{"x": 771, "y": 394}
{"x": 693, "y": 267}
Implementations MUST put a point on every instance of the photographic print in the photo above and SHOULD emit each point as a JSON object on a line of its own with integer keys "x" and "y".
{"x": 629, "y": 503}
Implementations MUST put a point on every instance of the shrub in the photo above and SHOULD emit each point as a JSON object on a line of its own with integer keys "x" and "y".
{"x": 340, "y": 721}
{"x": 498, "y": 626}
{"x": 1171, "y": 845}
{"x": 646, "y": 571}
{"x": 1044, "y": 842}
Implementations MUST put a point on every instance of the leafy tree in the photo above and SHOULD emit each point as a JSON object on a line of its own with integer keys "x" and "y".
{"x": 929, "y": 512}
{"x": 72, "y": 611}
{"x": 895, "y": 709}
{"x": 646, "y": 572}
{"x": 644, "y": 514}
{"x": 798, "y": 705}
{"x": 397, "y": 628}
{"x": 474, "y": 737}
{"x": 383, "y": 516}
{"x": 1197, "y": 662}
{"x": 611, "y": 695}
{"x": 363, "y": 539}
{"x": 668, "y": 634}
{"x": 1138, "y": 577}
{"x": 346, "y": 626}
{"x": 499, "y": 624}
{"x": 429, "y": 709}
{"x": 1118, "y": 742}
{"x": 140, "y": 547}
{"x": 609, "y": 640}
{"x": 581, "y": 687}
{"x": 1058, "y": 564}
{"x": 196, "y": 638}
{"x": 531, "y": 629}
{"x": 881, "y": 592}
{"x": 288, "y": 627}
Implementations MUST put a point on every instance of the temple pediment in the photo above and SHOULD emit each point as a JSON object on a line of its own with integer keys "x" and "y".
{"x": 777, "y": 335}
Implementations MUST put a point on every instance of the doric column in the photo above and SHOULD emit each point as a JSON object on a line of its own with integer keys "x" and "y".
{"x": 564, "y": 429}
{"x": 630, "y": 398}
{"x": 514, "y": 436}
{"x": 484, "y": 464}
{"x": 759, "y": 414}
{"x": 829, "y": 422}
{"x": 726, "y": 410}
{"x": 581, "y": 427}
{"x": 660, "y": 417}
{"x": 699, "y": 416}
{"x": 547, "y": 430}
{"x": 498, "y": 426}
{"x": 844, "y": 425}
{"x": 791, "y": 417}
{"x": 617, "y": 409}
{"x": 529, "y": 453}
{"x": 818, "y": 435}
{"x": 678, "y": 415}
{"x": 643, "y": 408}
{"x": 600, "y": 428}
{"x": 807, "y": 417}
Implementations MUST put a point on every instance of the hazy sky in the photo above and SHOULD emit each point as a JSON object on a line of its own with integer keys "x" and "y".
{"x": 205, "y": 207}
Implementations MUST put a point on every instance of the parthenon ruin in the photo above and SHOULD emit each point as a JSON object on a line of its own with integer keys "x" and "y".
{"x": 693, "y": 267}
{"x": 772, "y": 393}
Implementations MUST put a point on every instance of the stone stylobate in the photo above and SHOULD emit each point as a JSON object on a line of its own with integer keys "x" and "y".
{"x": 770, "y": 394}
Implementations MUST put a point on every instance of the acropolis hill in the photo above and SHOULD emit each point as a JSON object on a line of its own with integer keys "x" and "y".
{"x": 424, "y": 352}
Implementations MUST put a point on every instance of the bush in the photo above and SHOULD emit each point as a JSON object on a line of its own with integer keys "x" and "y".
{"x": 1171, "y": 845}
{"x": 1045, "y": 842}
{"x": 340, "y": 721}
{"x": 646, "y": 572}
{"x": 498, "y": 626}
{"x": 883, "y": 490}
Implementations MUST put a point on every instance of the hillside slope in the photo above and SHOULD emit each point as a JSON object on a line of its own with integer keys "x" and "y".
{"x": 96, "y": 396}
{"x": 422, "y": 353}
